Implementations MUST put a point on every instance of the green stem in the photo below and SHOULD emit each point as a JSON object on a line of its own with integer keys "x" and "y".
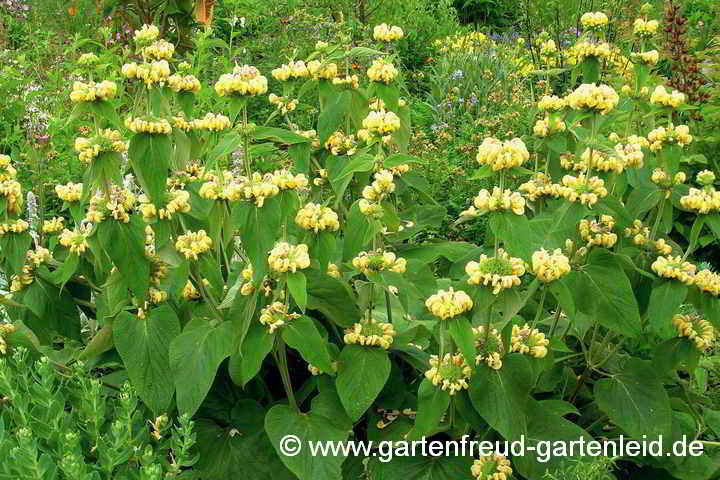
{"x": 555, "y": 321}
{"x": 281, "y": 360}
{"x": 540, "y": 307}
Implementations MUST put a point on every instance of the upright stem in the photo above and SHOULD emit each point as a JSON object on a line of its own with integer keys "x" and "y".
{"x": 540, "y": 307}
{"x": 281, "y": 360}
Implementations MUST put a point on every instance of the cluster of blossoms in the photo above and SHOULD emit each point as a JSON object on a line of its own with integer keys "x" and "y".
{"x": 370, "y": 334}
{"x": 190, "y": 292}
{"x": 276, "y": 315}
{"x": 640, "y": 235}
{"x": 631, "y": 153}
{"x": 179, "y": 202}
{"x": 498, "y": 200}
{"x": 552, "y": 103}
{"x": 118, "y": 206}
{"x": 491, "y": 467}
{"x": 183, "y": 83}
{"x": 540, "y": 185}
{"x": 466, "y": 43}
{"x": 90, "y": 92}
{"x": 378, "y": 261}
{"x": 352, "y": 80}
{"x": 705, "y": 200}
{"x": 449, "y": 303}
{"x": 499, "y": 272}
{"x": 661, "y": 178}
{"x": 150, "y": 73}
{"x": 283, "y": 104}
{"x": 333, "y": 270}
{"x": 322, "y": 70}
{"x": 589, "y": 96}
{"x": 148, "y": 125}
{"x": 645, "y": 28}
{"x": 489, "y": 346}
{"x": 599, "y": 233}
{"x": 661, "y": 96}
{"x": 14, "y": 226}
{"x": 548, "y": 126}
{"x": 585, "y": 190}
{"x": 548, "y": 47}
{"x": 451, "y": 372}
{"x": 5, "y": 329}
{"x": 675, "y": 268}
{"x": 257, "y": 187}
{"x": 214, "y": 122}
{"x": 159, "y": 50}
{"x": 695, "y": 328}
{"x": 70, "y": 192}
{"x": 146, "y": 34}
{"x": 380, "y": 122}
{"x": 87, "y": 59}
{"x": 75, "y": 240}
{"x": 294, "y": 69}
{"x": 708, "y": 281}
{"x": 529, "y": 341}
{"x": 650, "y": 57}
{"x": 584, "y": 49}
{"x": 9, "y": 187}
{"x": 33, "y": 259}
{"x": 107, "y": 140}
{"x": 341, "y": 144}
{"x": 244, "y": 80}
{"x": 374, "y": 193}
{"x": 549, "y": 266}
{"x": 382, "y": 70}
{"x": 285, "y": 257}
{"x": 193, "y": 244}
{"x": 593, "y": 20}
{"x": 387, "y": 33}
{"x": 53, "y": 225}
{"x": 315, "y": 217}
{"x": 679, "y": 135}
{"x": 502, "y": 155}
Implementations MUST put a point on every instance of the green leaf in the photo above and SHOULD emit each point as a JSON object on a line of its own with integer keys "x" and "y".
{"x": 635, "y": 400}
{"x": 195, "y": 356}
{"x": 144, "y": 346}
{"x": 258, "y": 229}
{"x": 675, "y": 353}
{"x": 279, "y": 135}
{"x": 501, "y": 396}
{"x": 332, "y": 298}
{"x": 246, "y": 363}
{"x": 332, "y": 118}
{"x": 432, "y": 404}
{"x": 362, "y": 373}
{"x": 665, "y": 300}
{"x": 461, "y": 332}
{"x": 240, "y": 446}
{"x": 302, "y": 335}
{"x": 13, "y": 248}
{"x": 359, "y": 232}
{"x": 298, "y": 288}
{"x": 342, "y": 169}
{"x": 420, "y": 467}
{"x": 150, "y": 159}
{"x": 125, "y": 245}
{"x": 282, "y": 420}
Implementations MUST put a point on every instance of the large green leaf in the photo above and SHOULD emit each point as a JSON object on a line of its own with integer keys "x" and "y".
{"x": 302, "y": 335}
{"x": 432, "y": 404}
{"x": 635, "y": 400}
{"x": 461, "y": 333}
{"x": 332, "y": 298}
{"x": 307, "y": 428}
{"x": 332, "y": 118}
{"x": 342, "y": 169}
{"x": 665, "y": 300}
{"x": 501, "y": 396}
{"x": 195, "y": 356}
{"x": 359, "y": 232}
{"x": 246, "y": 363}
{"x": 605, "y": 294}
{"x": 13, "y": 248}
{"x": 239, "y": 449}
{"x": 150, "y": 159}
{"x": 124, "y": 243}
{"x": 258, "y": 231}
{"x": 420, "y": 467}
{"x": 144, "y": 346}
{"x": 362, "y": 373}
{"x": 553, "y": 226}
{"x": 297, "y": 284}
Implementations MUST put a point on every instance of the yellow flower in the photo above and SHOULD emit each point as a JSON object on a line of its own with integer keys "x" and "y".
{"x": 322, "y": 70}
{"x": 529, "y": 341}
{"x": 76, "y": 241}
{"x": 489, "y": 346}
{"x": 650, "y": 57}
{"x": 118, "y": 206}
{"x": 381, "y": 122}
{"x": 193, "y": 244}
{"x": 705, "y": 177}
{"x": 708, "y": 281}
{"x": 370, "y": 334}
{"x": 340, "y": 144}
{"x": 451, "y": 373}
{"x": 378, "y": 261}
{"x": 107, "y": 140}
{"x": 498, "y": 200}
{"x": 499, "y": 272}
{"x": 586, "y": 192}
{"x": 588, "y": 96}
{"x": 148, "y": 125}
{"x": 645, "y": 28}
{"x": 584, "y": 49}
{"x": 540, "y": 185}
{"x": 382, "y": 70}
{"x": 53, "y": 225}
{"x": 675, "y": 268}
{"x": 159, "y": 50}
{"x": 285, "y": 257}
{"x": 333, "y": 271}
{"x": 552, "y": 103}
{"x": 244, "y": 80}
{"x": 701, "y": 201}
{"x": 184, "y": 83}
{"x": 295, "y": 69}
{"x": 599, "y": 233}
{"x": 594, "y": 20}
{"x": 491, "y": 467}
{"x": 543, "y": 127}
{"x": 639, "y": 233}
{"x": 549, "y": 266}
{"x": 212, "y": 122}
{"x": 502, "y": 155}
{"x": 275, "y": 316}
{"x": 387, "y": 33}
{"x": 90, "y": 92}
{"x": 660, "y": 96}
{"x": 314, "y": 216}
{"x": 14, "y": 226}
{"x": 448, "y": 303}
{"x": 697, "y": 329}
{"x": 146, "y": 34}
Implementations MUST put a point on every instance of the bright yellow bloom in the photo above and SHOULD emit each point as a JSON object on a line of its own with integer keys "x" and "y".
{"x": 645, "y": 28}
{"x": 387, "y": 33}
{"x": 90, "y": 92}
{"x": 586, "y": 192}
{"x": 673, "y": 99}
{"x": 314, "y": 216}
{"x": 552, "y": 103}
{"x": 498, "y": 200}
{"x": 184, "y": 83}
{"x": 502, "y": 155}
{"x": 214, "y": 122}
{"x": 593, "y": 20}
{"x": 341, "y": 144}
{"x": 588, "y": 96}
{"x": 370, "y": 334}
{"x": 244, "y": 80}
{"x": 14, "y": 226}
{"x": 599, "y": 233}
{"x": 382, "y": 70}
{"x": 76, "y": 241}
{"x": 275, "y": 316}
{"x": 449, "y": 303}
{"x": 285, "y": 257}
{"x": 489, "y": 346}
{"x": 529, "y": 341}
{"x": 148, "y": 125}
{"x": 451, "y": 373}
{"x": 499, "y": 272}
{"x": 697, "y": 329}
{"x": 675, "y": 268}
{"x": 491, "y": 467}
{"x": 296, "y": 69}
{"x": 53, "y": 225}
{"x": 381, "y": 122}
{"x": 193, "y": 244}
{"x": 378, "y": 261}
{"x": 650, "y": 57}
{"x": 320, "y": 70}
{"x": 708, "y": 281}
{"x": 146, "y": 34}
{"x": 159, "y": 50}
{"x": 550, "y": 266}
